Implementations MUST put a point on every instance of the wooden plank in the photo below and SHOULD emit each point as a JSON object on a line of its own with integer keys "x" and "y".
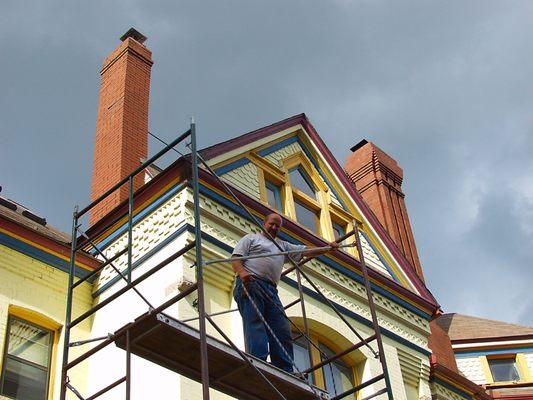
{"x": 176, "y": 346}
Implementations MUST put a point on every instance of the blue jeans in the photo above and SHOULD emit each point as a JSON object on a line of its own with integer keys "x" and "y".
{"x": 257, "y": 337}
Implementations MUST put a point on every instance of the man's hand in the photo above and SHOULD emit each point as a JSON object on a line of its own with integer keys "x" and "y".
{"x": 334, "y": 246}
{"x": 246, "y": 277}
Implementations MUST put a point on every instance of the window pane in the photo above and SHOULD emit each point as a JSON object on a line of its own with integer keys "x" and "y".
{"x": 301, "y": 356}
{"x": 29, "y": 342}
{"x": 504, "y": 370}
{"x": 338, "y": 231}
{"x": 25, "y": 382}
{"x": 301, "y": 181}
{"x": 273, "y": 193}
{"x": 305, "y": 216}
{"x": 337, "y": 375}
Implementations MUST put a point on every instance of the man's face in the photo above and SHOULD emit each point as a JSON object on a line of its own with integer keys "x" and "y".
{"x": 272, "y": 224}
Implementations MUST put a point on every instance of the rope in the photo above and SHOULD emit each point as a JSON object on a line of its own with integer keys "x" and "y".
{"x": 278, "y": 342}
{"x": 265, "y": 294}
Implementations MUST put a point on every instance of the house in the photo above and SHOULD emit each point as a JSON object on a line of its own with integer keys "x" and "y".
{"x": 34, "y": 259}
{"x": 493, "y": 354}
{"x": 285, "y": 168}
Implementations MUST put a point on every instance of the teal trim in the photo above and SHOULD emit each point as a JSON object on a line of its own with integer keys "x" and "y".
{"x": 41, "y": 255}
{"x": 452, "y": 388}
{"x": 384, "y": 262}
{"x": 231, "y": 166}
{"x": 478, "y": 353}
{"x": 278, "y": 146}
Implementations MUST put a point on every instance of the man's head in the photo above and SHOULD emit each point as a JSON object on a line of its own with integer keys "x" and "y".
{"x": 272, "y": 224}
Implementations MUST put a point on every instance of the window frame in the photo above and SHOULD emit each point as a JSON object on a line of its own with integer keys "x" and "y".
{"x": 317, "y": 376}
{"x": 319, "y": 205}
{"x": 519, "y": 362}
{"x": 278, "y": 198}
{"x": 326, "y": 211}
{"x": 41, "y": 320}
{"x": 6, "y": 356}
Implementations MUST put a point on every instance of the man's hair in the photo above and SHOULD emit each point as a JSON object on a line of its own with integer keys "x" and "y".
{"x": 268, "y": 216}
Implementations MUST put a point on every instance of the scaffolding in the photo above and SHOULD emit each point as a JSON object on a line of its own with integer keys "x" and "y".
{"x": 191, "y": 352}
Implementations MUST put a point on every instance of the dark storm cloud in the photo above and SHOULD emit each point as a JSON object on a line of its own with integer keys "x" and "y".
{"x": 443, "y": 87}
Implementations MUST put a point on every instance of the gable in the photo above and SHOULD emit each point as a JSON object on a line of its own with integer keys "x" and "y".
{"x": 261, "y": 166}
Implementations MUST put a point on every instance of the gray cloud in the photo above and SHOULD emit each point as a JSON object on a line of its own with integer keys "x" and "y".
{"x": 444, "y": 88}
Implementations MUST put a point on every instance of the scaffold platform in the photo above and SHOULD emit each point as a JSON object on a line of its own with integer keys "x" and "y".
{"x": 176, "y": 346}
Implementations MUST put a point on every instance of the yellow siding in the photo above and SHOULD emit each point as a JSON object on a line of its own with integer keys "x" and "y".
{"x": 28, "y": 284}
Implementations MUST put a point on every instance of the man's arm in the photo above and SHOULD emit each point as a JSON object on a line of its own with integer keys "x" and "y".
{"x": 319, "y": 252}
{"x": 238, "y": 268}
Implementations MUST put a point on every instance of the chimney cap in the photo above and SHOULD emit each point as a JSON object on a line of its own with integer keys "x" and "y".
{"x": 359, "y": 145}
{"x": 134, "y": 34}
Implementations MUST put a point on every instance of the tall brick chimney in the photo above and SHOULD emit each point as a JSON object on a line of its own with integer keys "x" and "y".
{"x": 378, "y": 178}
{"x": 122, "y": 123}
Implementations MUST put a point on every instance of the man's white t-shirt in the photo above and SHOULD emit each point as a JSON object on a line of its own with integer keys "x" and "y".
{"x": 268, "y": 268}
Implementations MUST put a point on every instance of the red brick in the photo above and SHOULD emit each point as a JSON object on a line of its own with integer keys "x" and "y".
{"x": 378, "y": 178}
{"x": 122, "y": 122}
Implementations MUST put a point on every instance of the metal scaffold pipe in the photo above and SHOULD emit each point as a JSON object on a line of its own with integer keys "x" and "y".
{"x": 281, "y": 253}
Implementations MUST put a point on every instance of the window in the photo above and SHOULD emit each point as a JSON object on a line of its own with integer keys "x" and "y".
{"x": 301, "y": 181}
{"x": 305, "y": 216}
{"x": 26, "y": 363}
{"x": 301, "y": 355}
{"x": 338, "y": 376}
{"x": 273, "y": 194}
{"x": 306, "y": 204}
{"x": 338, "y": 230}
{"x": 295, "y": 187}
{"x": 335, "y": 377}
{"x": 504, "y": 369}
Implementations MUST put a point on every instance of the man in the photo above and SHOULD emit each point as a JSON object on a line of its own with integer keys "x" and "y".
{"x": 260, "y": 277}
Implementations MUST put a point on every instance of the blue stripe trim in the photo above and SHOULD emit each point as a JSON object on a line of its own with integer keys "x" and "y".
{"x": 383, "y": 261}
{"x": 210, "y": 239}
{"x": 231, "y": 166}
{"x": 41, "y": 255}
{"x": 278, "y": 146}
{"x": 452, "y": 388}
{"x": 236, "y": 209}
{"x": 137, "y": 218}
{"x": 478, "y": 353}
{"x": 345, "y": 271}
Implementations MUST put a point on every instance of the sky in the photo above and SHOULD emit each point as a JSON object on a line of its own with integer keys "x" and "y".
{"x": 445, "y": 88}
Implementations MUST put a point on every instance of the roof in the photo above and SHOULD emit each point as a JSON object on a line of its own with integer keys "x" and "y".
{"x": 464, "y": 327}
{"x": 19, "y": 214}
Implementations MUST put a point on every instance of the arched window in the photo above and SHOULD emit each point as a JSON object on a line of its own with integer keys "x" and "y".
{"x": 335, "y": 377}
{"x": 295, "y": 188}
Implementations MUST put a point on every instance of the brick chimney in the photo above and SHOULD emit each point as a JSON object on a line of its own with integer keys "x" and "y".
{"x": 122, "y": 123}
{"x": 378, "y": 178}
